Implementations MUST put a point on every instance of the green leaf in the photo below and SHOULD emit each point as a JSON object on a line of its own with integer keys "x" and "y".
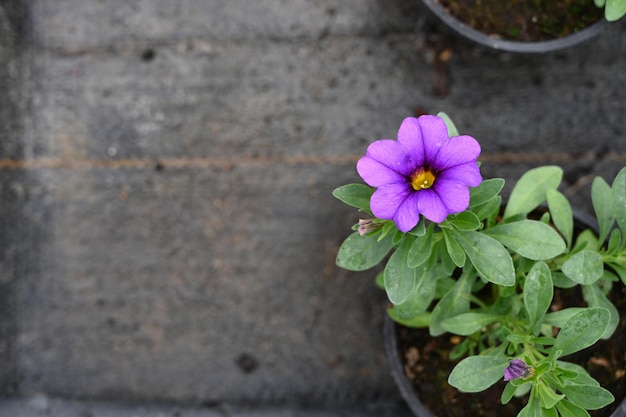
{"x": 421, "y": 248}
{"x": 599, "y": 3}
{"x": 477, "y": 373}
{"x": 614, "y": 241}
{"x": 538, "y": 291}
{"x": 418, "y": 321}
{"x": 387, "y": 229}
{"x": 488, "y": 210}
{"x": 569, "y": 409}
{"x": 530, "y": 238}
{"x": 594, "y": 297}
{"x": 549, "y": 412}
{"x": 421, "y": 295}
{"x": 454, "y": 249}
{"x": 445, "y": 262}
{"x": 602, "y": 200}
{"x": 456, "y": 301}
{"x": 614, "y": 10}
{"x": 452, "y": 130}
{"x": 468, "y": 323}
{"x": 581, "y": 376}
{"x": 530, "y": 191}
{"x": 507, "y": 393}
{"x": 618, "y": 190}
{"x": 466, "y": 221}
{"x": 398, "y": 277}
{"x": 358, "y": 253}
{"x": 560, "y": 317}
{"x": 561, "y": 281}
{"x": 533, "y": 408}
{"x": 590, "y": 397}
{"x": 586, "y": 240}
{"x": 561, "y": 212}
{"x": 619, "y": 270}
{"x": 489, "y": 257}
{"x": 584, "y": 267}
{"x": 420, "y": 229}
{"x": 582, "y": 330}
{"x": 397, "y": 237}
{"x": 487, "y": 190}
{"x": 379, "y": 280}
{"x": 547, "y": 396}
{"x": 355, "y": 195}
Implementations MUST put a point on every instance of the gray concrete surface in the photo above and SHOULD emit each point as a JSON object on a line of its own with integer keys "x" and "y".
{"x": 166, "y": 169}
{"x": 42, "y": 406}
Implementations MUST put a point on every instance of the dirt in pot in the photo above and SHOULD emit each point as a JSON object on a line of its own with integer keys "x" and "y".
{"x": 525, "y": 20}
{"x": 427, "y": 365}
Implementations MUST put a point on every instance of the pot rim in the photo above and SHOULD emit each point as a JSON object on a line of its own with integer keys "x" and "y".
{"x": 515, "y": 46}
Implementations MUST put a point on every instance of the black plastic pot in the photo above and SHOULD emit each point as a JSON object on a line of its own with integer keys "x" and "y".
{"x": 581, "y": 220}
{"x": 514, "y": 46}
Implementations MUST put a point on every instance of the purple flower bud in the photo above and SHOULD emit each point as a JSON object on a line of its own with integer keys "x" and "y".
{"x": 517, "y": 369}
{"x": 367, "y": 225}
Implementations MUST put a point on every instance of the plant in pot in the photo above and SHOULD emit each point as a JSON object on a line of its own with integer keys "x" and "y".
{"x": 528, "y": 25}
{"x": 495, "y": 278}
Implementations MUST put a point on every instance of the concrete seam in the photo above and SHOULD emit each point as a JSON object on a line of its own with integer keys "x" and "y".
{"x": 227, "y": 163}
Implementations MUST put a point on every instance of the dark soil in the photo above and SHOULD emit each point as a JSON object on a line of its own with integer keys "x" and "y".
{"x": 427, "y": 365}
{"x": 525, "y": 20}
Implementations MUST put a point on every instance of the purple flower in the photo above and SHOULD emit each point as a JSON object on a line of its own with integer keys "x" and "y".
{"x": 423, "y": 172}
{"x": 517, "y": 369}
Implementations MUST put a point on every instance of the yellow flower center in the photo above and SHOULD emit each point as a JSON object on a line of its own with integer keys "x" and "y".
{"x": 422, "y": 179}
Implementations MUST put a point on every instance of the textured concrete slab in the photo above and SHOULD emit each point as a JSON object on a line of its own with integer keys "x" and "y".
{"x": 42, "y": 406}
{"x": 169, "y": 229}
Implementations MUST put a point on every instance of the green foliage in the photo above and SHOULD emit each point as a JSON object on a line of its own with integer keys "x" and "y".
{"x": 358, "y": 253}
{"x": 355, "y": 195}
{"x": 537, "y": 294}
{"x": 531, "y": 190}
{"x": 477, "y": 373}
{"x": 582, "y": 330}
{"x": 488, "y": 274}
{"x": 613, "y": 9}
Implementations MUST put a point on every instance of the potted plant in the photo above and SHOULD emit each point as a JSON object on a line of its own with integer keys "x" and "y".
{"x": 527, "y": 25}
{"x": 490, "y": 275}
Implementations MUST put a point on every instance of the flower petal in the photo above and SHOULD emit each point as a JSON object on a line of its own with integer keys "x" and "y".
{"x": 457, "y": 151}
{"x": 517, "y": 369}
{"x": 386, "y": 200}
{"x": 375, "y": 173}
{"x": 391, "y": 154}
{"x": 431, "y": 206}
{"x": 454, "y": 195}
{"x": 468, "y": 174}
{"x": 407, "y": 216}
{"x": 410, "y": 136}
{"x": 435, "y": 136}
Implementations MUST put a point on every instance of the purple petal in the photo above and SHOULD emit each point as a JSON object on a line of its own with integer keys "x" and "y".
{"x": 508, "y": 374}
{"x": 386, "y": 200}
{"x": 391, "y": 154}
{"x": 376, "y": 174}
{"x": 458, "y": 150}
{"x": 468, "y": 174}
{"x": 407, "y": 216}
{"x": 434, "y": 133}
{"x": 410, "y": 136}
{"x": 454, "y": 195}
{"x": 517, "y": 368}
{"x": 431, "y": 206}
